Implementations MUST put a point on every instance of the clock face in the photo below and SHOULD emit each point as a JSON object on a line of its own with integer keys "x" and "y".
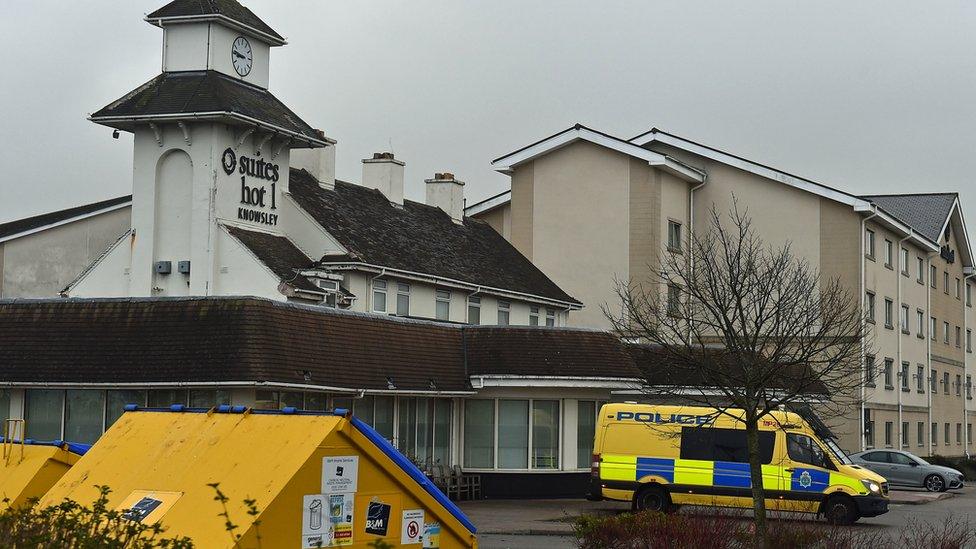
{"x": 242, "y": 56}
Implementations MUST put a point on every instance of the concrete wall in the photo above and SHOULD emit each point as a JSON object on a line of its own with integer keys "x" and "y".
{"x": 43, "y": 263}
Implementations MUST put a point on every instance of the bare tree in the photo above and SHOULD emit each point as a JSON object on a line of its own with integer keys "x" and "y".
{"x": 745, "y": 328}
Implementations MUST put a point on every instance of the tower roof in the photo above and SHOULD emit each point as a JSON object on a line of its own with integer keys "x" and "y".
{"x": 230, "y": 12}
{"x": 204, "y": 95}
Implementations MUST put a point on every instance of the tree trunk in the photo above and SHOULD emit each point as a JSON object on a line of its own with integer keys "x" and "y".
{"x": 755, "y": 473}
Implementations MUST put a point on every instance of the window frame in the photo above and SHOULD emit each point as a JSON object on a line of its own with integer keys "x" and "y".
{"x": 889, "y": 313}
{"x": 403, "y": 291}
{"x": 534, "y": 315}
{"x": 889, "y": 366}
{"x": 869, "y": 303}
{"x": 904, "y": 259}
{"x": 560, "y": 438}
{"x": 474, "y": 302}
{"x": 869, "y": 243}
{"x": 889, "y": 254}
{"x": 506, "y": 308}
{"x": 674, "y": 236}
{"x": 379, "y": 287}
{"x": 439, "y": 300}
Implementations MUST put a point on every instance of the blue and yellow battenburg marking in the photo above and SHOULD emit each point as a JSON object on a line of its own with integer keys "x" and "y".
{"x": 693, "y": 472}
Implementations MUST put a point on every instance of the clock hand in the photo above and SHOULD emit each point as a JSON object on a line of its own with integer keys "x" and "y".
{"x": 238, "y": 54}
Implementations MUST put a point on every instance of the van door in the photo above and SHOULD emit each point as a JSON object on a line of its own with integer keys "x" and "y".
{"x": 805, "y": 472}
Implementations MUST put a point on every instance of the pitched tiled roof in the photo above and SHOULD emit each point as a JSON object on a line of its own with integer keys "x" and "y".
{"x": 540, "y": 351}
{"x": 172, "y": 94}
{"x": 926, "y": 213}
{"x": 29, "y": 223}
{"x": 279, "y": 254}
{"x": 246, "y": 339}
{"x": 418, "y": 238}
{"x": 212, "y": 8}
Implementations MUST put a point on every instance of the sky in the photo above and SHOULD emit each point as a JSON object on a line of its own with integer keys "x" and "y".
{"x": 868, "y": 97}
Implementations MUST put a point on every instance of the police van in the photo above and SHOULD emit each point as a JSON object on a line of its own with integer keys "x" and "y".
{"x": 659, "y": 457}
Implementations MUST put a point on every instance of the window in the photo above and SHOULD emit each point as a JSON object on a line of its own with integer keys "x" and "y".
{"x": 403, "y": 299}
{"x": 904, "y": 375}
{"x": 945, "y": 332}
{"x": 888, "y": 254}
{"x": 945, "y": 382}
{"x": 533, "y": 316}
{"x": 969, "y": 433}
{"x": 921, "y": 433}
{"x": 958, "y": 286}
{"x": 504, "y": 309}
{"x": 44, "y": 413}
{"x": 383, "y": 416}
{"x": 115, "y": 402}
{"x": 946, "y": 438}
{"x": 904, "y": 434}
{"x": 958, "y": 336}
{"x": 717, "y": 444}
{"x": 945, "y": 282}
{"x": 164, "y": 398}
{"x": 869, "y": 243}
{"x": 208, "y": 398}
{"x": 887, "y": 434}
{"x": 586, "y": 411}
{"x": 869, "y": 370}
{"x": 933, "y": 383}
{"x": 674, "y": 300}
{"x": 804, "y": 449}
{"x": 903, "y": 320}
{"x": 921, "y": 270}
{"x": 442, "y": 305}
{"x": 4, "y": 405}
{"x": 888, "y": 365}
{"x": 904, "y": 261}
{"x": 424, "y": 429}
{"x": 869, "y": 434}
{"x": 959, "y": 433}
{"x": 513, "y": 434}
{"x": 969, "y": 386}
{"x": 869, "y": 305}
{"x": 545, "y": 434}
{"x": 550, "y": 317}
{"x": 474, "y": 310}
{"x": 479, "y": 433}
{"x": 83, "y": 409}
{"x": 935, "y": 434}
{"x": 932, "y": 276}
{"x": 920, "y": 379}
{"x": 674, "y": 236}
{"x": 969, "y": 340}
{"x": 889, "y": 314}
{"x": 958, "y": 385}
{"x": 877, "y": 457}
{"x": 379, "y": 296}
{"x": 920, "y": 322}
{"x": 933, "y": 331}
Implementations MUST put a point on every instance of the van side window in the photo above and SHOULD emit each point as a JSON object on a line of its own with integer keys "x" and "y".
{"x": 804, "y": 449}
{"x": 715, "y": 444}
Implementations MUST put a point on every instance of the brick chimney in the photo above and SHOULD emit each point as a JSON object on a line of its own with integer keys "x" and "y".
{"x": 446, "y": 193}
{"x": 385, "y": 173}
{"x": 319, "y": 162}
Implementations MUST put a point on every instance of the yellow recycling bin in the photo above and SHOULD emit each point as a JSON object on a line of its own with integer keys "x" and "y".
{"x": 320, "y": 479}
{"x": 29, "y": 468}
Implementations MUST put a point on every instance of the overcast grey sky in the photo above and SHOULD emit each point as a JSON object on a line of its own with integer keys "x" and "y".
{"x": 874, "y": 97}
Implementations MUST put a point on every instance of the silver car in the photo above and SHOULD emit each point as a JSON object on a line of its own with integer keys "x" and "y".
{"x": 907, "y": 469}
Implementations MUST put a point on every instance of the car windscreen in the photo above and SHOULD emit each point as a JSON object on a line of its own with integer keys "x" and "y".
{"x": 837, "y": 452}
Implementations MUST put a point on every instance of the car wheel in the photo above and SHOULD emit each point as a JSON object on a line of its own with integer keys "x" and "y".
{"x": 653, "y": 498}
{"x": 840, "y": 510}
{"x": 935, "y": 483}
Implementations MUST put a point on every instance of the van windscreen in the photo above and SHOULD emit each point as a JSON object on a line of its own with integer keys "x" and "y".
{"x": 716, "y": 444}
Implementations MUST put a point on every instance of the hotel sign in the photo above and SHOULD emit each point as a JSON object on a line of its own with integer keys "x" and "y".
{"x": 255, "y": 195}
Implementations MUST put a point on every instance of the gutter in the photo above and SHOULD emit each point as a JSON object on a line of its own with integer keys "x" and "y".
{"x": 211, "y": 115}
{"x": 231, "y": 384}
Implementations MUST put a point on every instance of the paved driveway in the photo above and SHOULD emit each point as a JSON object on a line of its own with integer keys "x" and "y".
{"x": 547, "y": 524}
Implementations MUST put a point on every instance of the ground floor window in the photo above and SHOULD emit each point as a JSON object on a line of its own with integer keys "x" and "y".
{"x": 43, "y": 414}
{"x": 512, "y": 434}
{"x": 888, "y": 433}
{"x": 586, "y": 419}
{"x": 904, "y": 434}
{"x": 921, "y": 433}
{"x": 116, "y": 400}
{"x": 4, "y": 404}
{"x": 424, "y": 430}
{"x": 84, "y": 417}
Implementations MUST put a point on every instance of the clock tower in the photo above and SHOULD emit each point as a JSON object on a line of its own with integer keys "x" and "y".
{"x": 211, "y": 149}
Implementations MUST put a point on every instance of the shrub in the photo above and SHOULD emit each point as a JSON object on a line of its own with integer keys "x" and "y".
{"x": 724, "y": 529}
{"x": 70, "y": 524}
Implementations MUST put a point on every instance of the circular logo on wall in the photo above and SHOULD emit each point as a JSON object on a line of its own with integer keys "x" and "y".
{"x": 229, "y": 160}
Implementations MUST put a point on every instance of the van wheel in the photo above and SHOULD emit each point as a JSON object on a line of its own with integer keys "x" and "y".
{"x": 934, "y": 483}
{"x": 840, "y": 510}
{"x": 653, "y": 498}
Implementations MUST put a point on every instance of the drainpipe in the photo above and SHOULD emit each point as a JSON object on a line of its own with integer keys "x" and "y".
{"x": 928, "y": 344}
{"x": 864, "y": 323}
{"x": 901, "y": 269}
{"x": 691, "y": 218}
{"x": 965, "y": 368}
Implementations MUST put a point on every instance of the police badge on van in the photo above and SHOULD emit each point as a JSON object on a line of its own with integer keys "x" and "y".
{"x": 805, "y": 480}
